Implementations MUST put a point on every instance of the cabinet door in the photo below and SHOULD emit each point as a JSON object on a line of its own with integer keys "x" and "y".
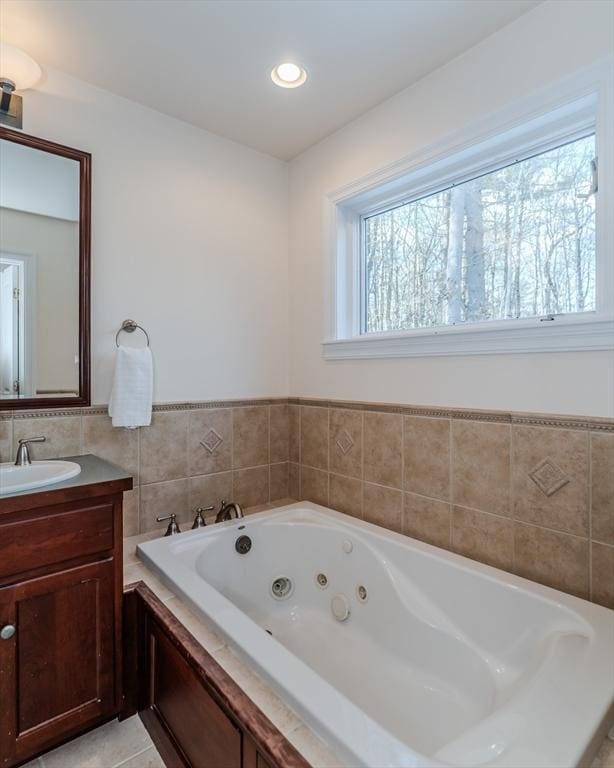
{"x": 57, "y": 672}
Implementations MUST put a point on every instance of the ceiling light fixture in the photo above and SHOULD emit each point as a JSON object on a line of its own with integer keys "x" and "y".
{"x": 18, "y": 72}
{"x": 288, "y": 75}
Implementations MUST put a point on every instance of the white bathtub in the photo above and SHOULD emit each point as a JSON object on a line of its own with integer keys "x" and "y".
{"x": 446, "y": 663}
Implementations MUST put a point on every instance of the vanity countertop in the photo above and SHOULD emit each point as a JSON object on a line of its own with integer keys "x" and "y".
{"x": 97, "y": 477}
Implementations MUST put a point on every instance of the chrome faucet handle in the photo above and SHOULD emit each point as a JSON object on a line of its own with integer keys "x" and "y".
{"x": 173, "y": 527}
{"x": 199, "y": 520}
{"x": 23, "y": 454}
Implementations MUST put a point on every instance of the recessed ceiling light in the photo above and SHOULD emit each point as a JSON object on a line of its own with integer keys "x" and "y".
{"x": 288, "y": 75}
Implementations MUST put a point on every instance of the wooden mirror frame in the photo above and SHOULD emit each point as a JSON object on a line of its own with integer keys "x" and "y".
{"x": 85, "y": 192}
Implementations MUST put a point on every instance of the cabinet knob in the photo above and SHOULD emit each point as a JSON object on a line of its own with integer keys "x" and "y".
{"x": 7, "y": 631}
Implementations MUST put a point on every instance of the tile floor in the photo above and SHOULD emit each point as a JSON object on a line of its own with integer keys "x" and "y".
{"x": 127, "y": 745}
{"x": 114, "y": 745}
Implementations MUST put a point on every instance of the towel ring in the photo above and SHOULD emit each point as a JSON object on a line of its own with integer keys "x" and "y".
{"x": 130, "y": 326}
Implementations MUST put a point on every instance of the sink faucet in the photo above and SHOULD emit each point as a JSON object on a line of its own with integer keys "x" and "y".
{"x": 225, "y": 512}
{"x": 23, "y": 454}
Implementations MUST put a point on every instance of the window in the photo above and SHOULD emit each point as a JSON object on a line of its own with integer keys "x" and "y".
{"x": 513, "y": 243}
{"x": 497, "y": 239}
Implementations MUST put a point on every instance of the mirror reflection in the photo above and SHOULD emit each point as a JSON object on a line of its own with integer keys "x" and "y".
{"x": 39, "y": 273}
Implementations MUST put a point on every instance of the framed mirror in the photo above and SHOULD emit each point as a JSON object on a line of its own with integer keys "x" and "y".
{"x": 45, "y": 191}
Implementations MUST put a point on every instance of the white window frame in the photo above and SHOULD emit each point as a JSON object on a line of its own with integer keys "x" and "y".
{"x": 562, "y": 112}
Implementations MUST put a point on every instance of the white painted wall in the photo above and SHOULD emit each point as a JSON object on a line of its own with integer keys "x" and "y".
{"x": 189, "y": 238}
{"x": 550, "y": 42}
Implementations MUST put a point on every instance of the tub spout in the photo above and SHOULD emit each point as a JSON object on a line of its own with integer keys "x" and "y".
{"x": 225, "y": 512}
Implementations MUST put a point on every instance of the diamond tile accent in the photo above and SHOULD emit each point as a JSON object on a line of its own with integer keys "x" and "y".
{"x": 211, "y": 441}
{"x": 345, "y": 442}
{"x": 548, "y": 477}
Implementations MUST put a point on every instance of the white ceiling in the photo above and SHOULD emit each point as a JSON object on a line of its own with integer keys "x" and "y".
{"x": 208, "y": 61}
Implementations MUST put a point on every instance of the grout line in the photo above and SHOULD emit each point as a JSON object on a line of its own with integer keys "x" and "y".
{"x": 362, "y": 467}
{"x": 81, "y": 445}
{"x": 300, "y": 451}
{"x": 512, "y": 497}
{"x": 403, "y": 484}
{"x": 328, "y": 456}
{"x": 450, "y": 481}
{"x": 268, "y": 501}
{"x": 589, "y": 496}
{"x": 138, "y": 478}
{"x": 136, "y": 754}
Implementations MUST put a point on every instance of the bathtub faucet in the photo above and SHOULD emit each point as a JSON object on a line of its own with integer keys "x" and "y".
{"x": 225, "y": 512}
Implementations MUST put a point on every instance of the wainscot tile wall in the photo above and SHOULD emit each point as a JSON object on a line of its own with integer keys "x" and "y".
{"x": 193, "y": 454}
{"x": 532, "y": 494}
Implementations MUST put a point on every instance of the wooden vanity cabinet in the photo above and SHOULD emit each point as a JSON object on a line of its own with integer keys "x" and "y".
{"x": 61, "y": 591}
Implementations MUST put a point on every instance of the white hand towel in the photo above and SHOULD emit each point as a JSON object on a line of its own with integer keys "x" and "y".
{"x": 130, "y": 401}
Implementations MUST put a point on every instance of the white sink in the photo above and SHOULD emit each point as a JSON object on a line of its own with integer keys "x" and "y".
{"x": 35, "y": 475}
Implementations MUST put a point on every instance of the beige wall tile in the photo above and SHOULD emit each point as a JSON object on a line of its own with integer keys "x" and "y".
{"x": 345, "y": 442}
{"x": 164, "y": 447}
{"x": 279, "y": 433}
{"x": 250, "y": 487}
{"x": 382, "y": 449}
{"x": 6, "y": 440}
{"x": 556, "y": 460}
{"x": 161, "y": 499}
{"x": 294, "y": 481}
{"x": 210, "y": 441}
{"x": 209, "y": 491}
{"x": 314, "y": 436}
{"x": 279, "y": 481}
{"x": 63, "y": 435}
{"x": 603, "y": 574}
{"x": 427, "y": 456}
{"x": 483, "y": 537}
{"x": 552, "y": 558}
{"x": 294, "y": 433}
{"x": 383, "y": 506}
{"x": 131, "y": 512}
{"x": 345, "y": 495}
{"x": 481, "y": 466}
{"x": 427, "y": 519}
{"x": 250, "y": 437}
{"x": 602, "y": 473}
{"x": 314, "y": 485}
{"x": 117, "y": 445}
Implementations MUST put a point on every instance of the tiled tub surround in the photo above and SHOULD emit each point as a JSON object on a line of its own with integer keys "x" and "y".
{"x": 529, "y": 493}
{"x": 192, "y": 454}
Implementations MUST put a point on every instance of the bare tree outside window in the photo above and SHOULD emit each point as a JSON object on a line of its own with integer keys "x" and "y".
{"x": 515, "y": 243}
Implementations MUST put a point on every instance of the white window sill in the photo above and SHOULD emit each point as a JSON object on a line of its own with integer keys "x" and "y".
{"x": 523, "y": 336}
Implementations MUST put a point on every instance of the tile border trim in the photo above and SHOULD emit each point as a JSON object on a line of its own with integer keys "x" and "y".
{"x": 555, "y": 421}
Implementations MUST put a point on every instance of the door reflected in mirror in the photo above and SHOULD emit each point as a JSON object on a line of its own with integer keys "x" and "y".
{"x": 41, "y": 273}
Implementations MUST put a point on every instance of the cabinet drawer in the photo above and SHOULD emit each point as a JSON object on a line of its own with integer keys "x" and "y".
{"x": 55, "y": 536}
